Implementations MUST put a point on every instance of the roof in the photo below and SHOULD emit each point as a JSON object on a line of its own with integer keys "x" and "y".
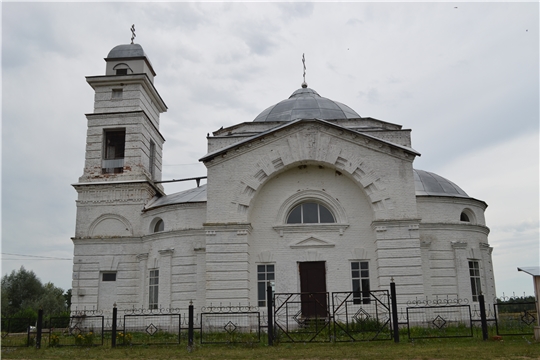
{"x": 430, "y": 184}
{"x": 195, "y": 195}
{"x": 306, "y": 103}
{"x": 126, "y": 51}
{"x": 531, "y": 270}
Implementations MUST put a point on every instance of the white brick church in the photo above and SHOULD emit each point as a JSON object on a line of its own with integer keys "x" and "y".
{"x": 309, "y": 196}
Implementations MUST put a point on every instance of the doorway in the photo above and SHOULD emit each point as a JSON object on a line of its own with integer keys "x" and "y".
{"x": 313, "y": 289}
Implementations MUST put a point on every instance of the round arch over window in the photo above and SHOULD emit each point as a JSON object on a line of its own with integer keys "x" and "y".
{"x": 157, "y": 225}
{"x": 467, "y": 215}
{"x": 310, "y": 213}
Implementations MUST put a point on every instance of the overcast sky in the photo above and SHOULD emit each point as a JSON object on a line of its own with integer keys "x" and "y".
{"x": 463, "y": 76}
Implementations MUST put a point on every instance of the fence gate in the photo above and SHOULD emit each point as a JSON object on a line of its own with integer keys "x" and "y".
{"x": 358, "y": 317}
{"x": 516, "y": 318}
{"x": 293, "y": 324}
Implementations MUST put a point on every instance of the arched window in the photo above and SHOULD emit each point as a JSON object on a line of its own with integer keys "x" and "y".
{"x": 310, "y": 213}
{"x": 160, "y": 226}
{"x": 464, "y": 217}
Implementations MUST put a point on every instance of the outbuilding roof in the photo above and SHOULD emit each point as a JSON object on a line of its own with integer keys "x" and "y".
{"x": 531, "y": 270}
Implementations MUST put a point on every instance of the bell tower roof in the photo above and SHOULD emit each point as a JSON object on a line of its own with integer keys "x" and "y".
{"x": 126, "y": 51}
{"x": 129, "y": 59}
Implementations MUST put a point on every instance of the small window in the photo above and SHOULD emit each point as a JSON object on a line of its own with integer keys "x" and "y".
{"x": 265, "y": 276}
{"x": 160, "y": 226}
{"x": 310, "y": 213}
{"x": 464, "y": 217}
{"x": 153, "y": 290}
{"x": 152, "y": 159}
{"x": 113, "y": 151}
{"x": 121, "y": 71}
{"x": 474, "y": 272}
{"x": 109, "y": 276}
{"x": 117, "y": 94}
{"x": 360, "y": 282}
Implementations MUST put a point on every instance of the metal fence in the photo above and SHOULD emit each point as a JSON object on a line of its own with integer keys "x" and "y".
{"x": 230, "y": 324}
{"x": 150, "y": 329}
{"x": 302, "y": 317}
{"x": 361, "y": 319}
{"x": 517, "y": 318}
{"x": 16, "y": 332}
{"x": 77, "y": 330}
{"x": 290, "y": 317}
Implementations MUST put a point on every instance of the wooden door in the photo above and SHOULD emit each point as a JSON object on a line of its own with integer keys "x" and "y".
{"x": 313, "y": 289}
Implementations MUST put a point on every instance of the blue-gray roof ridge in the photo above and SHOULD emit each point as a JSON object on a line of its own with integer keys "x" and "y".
{"x": 213, "y": 154}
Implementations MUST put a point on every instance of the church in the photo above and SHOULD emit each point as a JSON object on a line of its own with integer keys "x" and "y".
{"x": 308, "y": 196}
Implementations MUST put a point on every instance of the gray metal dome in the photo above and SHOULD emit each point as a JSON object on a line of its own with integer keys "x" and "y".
{"x": 126, "y": 51}
{"x": 430, "y": 184}
{"x": 306, "y": 103}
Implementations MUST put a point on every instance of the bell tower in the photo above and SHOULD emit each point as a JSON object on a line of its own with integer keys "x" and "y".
{"x": 123, "y": 144}
{"x": 123, "y": 139}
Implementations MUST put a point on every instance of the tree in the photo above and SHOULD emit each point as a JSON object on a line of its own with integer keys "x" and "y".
{"x": 23, "y": 294}
{"x": 20, "y": 289}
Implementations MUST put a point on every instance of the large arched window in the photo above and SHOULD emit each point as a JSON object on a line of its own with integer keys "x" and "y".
{"x": 310, "y": 213}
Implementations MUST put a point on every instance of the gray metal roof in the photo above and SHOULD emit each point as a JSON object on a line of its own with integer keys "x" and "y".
{"x": 531, "y": 270}
{"x": 306, "y": 103}
{"x": 195, "y": 195}
{"x": 126, "y": 51}
{"x": 430, "y": 184}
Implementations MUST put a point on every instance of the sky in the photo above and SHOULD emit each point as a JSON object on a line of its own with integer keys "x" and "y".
{"x": 463, "y": 76}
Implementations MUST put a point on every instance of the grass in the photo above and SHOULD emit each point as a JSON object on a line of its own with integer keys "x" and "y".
{"x": 511, "y": 347}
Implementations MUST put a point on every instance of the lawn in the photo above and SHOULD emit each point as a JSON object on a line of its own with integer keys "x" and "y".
{"x": 515, "y": 347}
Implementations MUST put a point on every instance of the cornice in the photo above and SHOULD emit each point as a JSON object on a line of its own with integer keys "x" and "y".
{"x": 455, "y": 226}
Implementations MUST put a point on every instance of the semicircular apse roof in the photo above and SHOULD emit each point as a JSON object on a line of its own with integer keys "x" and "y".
{"x": 306, "y": 103}
{"x": 430, "y": 184}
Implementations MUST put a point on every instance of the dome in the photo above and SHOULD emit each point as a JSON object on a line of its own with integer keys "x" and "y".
{"x": 306, "y": 103}
{"x": 430, "y": 184}
{"x": 126, "y": 51}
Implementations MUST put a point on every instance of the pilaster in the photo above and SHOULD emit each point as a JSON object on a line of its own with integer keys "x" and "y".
{"x": 227, "y": 245}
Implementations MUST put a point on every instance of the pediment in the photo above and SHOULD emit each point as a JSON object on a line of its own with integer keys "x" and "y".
{"x": 311, "y": 242}
{"x": 311, "y": 126}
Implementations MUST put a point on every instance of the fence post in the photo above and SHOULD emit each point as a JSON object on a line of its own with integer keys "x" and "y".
{"x": 270, "y": 312}
{"x": 483, "y": 317}
{"x": 190, "y": 324}
{"x": 114, "y": 317}
{"x": 393, "y": 297}
{"x": 39, "y": 328}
